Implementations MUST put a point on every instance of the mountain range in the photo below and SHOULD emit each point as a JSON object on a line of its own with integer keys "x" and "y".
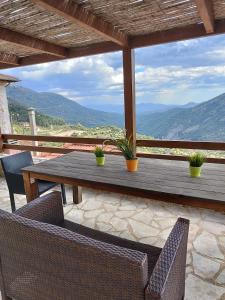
{"x": 204, "y": 121}
{"x": 56, "y": 105}
{"x": 140, "y": 107}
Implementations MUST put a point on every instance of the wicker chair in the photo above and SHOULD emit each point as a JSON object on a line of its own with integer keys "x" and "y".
{"x": 44, "y": 257}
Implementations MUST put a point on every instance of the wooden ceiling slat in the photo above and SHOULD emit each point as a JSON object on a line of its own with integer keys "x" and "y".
{"x": 9, "y": 59}
{"x": 205, "y": 9}
{"x": 75, "y": 13}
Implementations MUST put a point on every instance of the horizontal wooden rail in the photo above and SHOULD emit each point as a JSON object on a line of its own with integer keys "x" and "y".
{"x": 182, "y": 144}
{"x": 68, "y": 150}
{"x": 37, "y": 148}
{"x": 216, "y": 146}
{"x": 54, "y": 139}
{"x": 201, "y": 145}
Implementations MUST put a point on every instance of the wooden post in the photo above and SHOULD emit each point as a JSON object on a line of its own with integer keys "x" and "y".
{"x": 129, "y": 94}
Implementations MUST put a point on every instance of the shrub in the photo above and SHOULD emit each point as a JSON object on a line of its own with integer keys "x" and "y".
{"x": 196, "y": 160}
{"x": 126, "y": 146}
{"x": 99, "y": 151}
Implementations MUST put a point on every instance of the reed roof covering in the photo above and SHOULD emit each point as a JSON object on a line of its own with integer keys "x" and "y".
{"x": 35, "y": 31}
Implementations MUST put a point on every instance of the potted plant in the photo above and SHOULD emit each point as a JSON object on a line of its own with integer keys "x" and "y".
{"x": 100, "y": 156}
{"x": 196, "y": 161}
{"x": 127, "y": 148}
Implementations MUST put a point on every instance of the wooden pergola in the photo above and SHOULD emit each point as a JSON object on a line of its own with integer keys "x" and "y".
{"x": 39, "y": 31}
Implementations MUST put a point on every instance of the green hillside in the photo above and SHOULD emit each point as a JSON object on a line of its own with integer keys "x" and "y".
{"x": 19, "y": 114}
{"x": 58, "y": 106}
{"x": 205, "y": 121}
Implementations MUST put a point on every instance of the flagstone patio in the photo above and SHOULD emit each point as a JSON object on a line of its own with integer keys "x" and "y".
{"x": 150, "y": 221}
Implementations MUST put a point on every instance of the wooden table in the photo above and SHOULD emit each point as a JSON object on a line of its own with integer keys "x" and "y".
{"x": 156, "y": 179}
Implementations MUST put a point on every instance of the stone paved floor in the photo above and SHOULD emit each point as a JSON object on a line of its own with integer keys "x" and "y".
{"x": 150, "y": 221}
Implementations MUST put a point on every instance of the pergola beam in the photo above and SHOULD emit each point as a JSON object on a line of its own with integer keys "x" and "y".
{"x": 9, "y": 59}
{"x": 206, "y": 13}
{"x": 156, "y": 38}
{"x": 176, "y": 35}
{"x": 29, "y": 42}
{"x": 94, "y": 49}
{"x": 77, "y": 14}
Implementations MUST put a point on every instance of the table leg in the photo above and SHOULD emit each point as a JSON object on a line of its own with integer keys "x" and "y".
{"x": 30, "y": 186}
{"x": 77, "y": 194}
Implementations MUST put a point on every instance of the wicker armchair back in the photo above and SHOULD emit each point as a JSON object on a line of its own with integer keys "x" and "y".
{"x": 45, "y": 257}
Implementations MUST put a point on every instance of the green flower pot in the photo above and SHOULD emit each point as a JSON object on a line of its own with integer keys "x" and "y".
{"x": 100, "y": 161}
{"x": 195, "y": 171}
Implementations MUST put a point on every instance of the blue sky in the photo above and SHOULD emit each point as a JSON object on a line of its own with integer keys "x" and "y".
{"x": 174, "y": 73}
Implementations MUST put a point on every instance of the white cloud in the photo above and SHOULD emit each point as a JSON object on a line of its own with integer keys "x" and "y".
{"x": 162, "y": 84}
{"x": 68, "y": 93}
{"x": 216, "y": 54}
{"x": 161, "y": 75}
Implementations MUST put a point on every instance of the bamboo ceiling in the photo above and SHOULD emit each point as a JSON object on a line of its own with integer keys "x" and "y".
{"x": 34, "y": 31}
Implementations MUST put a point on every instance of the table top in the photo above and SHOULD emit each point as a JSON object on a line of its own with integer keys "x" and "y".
{"x": 154, "y": 176}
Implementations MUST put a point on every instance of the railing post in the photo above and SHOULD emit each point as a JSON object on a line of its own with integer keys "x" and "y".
{"x": 33, "y": 126}
{"x": 129, "y": 94}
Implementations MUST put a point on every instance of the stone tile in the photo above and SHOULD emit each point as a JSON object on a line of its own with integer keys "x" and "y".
{"x": 213, "y": 216}
{"x": 189, "y": 258}
{"x": 221, "y": 240}
{"x": 151, "y": 240}
{"x": 127, "y": 235}
{"x": 93, "y": 213}
{"x": 221, "y": 278}
{"x": 213, "y": 227}
{"x": 118, "y": 224}
{"x": 75, "y": 215}
{"x": 206, "y": 244}
{"x": 165, "y": 222}
{"x": 67, "y": 208}
{"x": 109, "y": 198}
{"x": 103, "y": 226}
{"x": 91, "y": 204}
{"x": 165, "y": 233}
{"x": 193, "y": 230}
{"x": 204, "y": 267}
{"x": 142, "y": 230}
{"x": 104, "y": 217}
{"x": 144, "y": 216}
{"x": 124, "y": 214}
{"x": 198, "y": 289}
{"x": 89, "y": 223}
{"x": 110, "y": 207}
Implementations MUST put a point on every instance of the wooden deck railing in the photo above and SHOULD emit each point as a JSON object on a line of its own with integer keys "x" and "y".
{"x": 5, "y": 143}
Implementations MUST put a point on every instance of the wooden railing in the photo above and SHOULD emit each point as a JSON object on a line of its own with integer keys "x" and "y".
{"x": 6, "y": 143}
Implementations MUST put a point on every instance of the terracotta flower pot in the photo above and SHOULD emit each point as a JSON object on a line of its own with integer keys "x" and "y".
{"x": 100, "y": 161}
{"x": 132, "y": 165}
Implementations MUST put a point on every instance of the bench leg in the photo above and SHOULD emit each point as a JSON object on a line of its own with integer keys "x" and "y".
{"x": 63, "y": 193}
{"x": 77, "y": 194}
